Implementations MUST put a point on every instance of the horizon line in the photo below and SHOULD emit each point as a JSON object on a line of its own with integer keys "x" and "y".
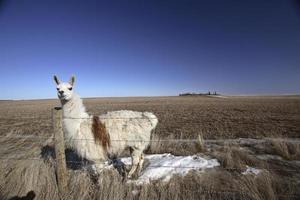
{"x": 137, "y": 96}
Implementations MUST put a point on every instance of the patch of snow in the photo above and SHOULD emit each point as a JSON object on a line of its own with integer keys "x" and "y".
{"x": 164, "y": 166}
{"x": 251, "y": 170}
{"x": 135, "y": 192}
{"x": 219, "y": 96}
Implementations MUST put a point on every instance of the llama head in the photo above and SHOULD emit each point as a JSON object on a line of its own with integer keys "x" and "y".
{"x": 64, "y": 89}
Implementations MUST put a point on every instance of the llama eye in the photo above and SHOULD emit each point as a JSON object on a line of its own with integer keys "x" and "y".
{"x": 57, "y": 89}
{"x": 70, "y": 88}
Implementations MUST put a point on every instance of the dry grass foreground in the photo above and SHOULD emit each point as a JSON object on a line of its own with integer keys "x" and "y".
{"x": 31, "y": 172}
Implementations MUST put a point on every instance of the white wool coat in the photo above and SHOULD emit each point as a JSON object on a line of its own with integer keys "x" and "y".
{"x": 126, "y": 129}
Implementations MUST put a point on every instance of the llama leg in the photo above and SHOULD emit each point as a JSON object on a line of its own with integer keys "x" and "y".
{"x": 135, "y": 156}
{"x": 99, "y": 165}
{"x": 141, "y": 162}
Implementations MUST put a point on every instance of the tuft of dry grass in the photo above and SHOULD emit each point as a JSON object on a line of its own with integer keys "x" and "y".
{"x": 236, "y": 158}
{"x": 201, "y": 143}
{"x": 176, "y": 146}
{"x": 286, "y": 149}
{"x": 259, "y": 187}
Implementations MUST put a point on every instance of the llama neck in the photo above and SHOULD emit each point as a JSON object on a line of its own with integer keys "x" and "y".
{"x": 74, "y": 108}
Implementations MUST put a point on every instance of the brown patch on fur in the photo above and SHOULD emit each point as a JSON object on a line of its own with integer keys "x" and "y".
{"x": 100, "y": 133}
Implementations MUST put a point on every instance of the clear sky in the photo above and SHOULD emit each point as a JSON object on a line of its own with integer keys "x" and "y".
{"x": 145, "y": 48}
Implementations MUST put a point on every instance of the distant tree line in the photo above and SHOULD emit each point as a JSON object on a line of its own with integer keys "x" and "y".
{"x": 198, "y": 94}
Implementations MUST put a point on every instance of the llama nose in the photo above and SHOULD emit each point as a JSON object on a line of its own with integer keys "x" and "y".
{"x": 61, "y": 92}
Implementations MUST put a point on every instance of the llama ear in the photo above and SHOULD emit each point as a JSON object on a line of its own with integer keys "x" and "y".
{"x": 56, "y": 80}
{"x": 72, "y": 80}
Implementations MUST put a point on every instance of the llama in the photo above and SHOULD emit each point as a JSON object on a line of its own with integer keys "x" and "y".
{"x": 96, "y": 138}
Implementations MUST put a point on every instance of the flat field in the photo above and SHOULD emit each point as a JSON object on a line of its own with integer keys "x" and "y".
{"x": 185, "y": 117}
{"x": 270, "y": 126}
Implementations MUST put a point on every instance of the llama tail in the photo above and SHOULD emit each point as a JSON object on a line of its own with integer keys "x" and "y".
{"x": 153, "y": 119}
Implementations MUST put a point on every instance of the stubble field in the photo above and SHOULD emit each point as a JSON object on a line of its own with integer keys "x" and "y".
{"x": 261, "y": 132}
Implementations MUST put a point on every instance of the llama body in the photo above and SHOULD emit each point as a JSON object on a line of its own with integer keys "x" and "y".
{"x": 123, "y": 130}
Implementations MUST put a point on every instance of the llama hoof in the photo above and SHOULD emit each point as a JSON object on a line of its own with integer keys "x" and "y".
{"x": 133, "y": 176}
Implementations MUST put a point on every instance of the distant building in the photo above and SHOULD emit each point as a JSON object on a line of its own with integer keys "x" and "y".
{"x": 198, "y": 94}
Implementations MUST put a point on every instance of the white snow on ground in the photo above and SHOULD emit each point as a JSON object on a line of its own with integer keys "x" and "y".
{"x": 219, "y": 96}
{"x": 164, "y": 166}
{"x": 251, "y": 170}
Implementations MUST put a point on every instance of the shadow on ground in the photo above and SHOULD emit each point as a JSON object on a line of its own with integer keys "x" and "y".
{"x": 75, "y": 162}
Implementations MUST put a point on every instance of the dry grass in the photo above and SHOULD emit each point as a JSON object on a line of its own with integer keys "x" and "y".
{"x": 20, "y": 175}
{"x": 212, "y": 185}
{"x": 234, "y": 158}
{"x": 179, "y": 118}
{"x": 108, "y": 186}
{"x": 286, "y": 149}
{"x": 38, "y": 176}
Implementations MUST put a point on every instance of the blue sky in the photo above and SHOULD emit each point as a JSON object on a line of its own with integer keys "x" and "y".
{"x": 149, "y": 48}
